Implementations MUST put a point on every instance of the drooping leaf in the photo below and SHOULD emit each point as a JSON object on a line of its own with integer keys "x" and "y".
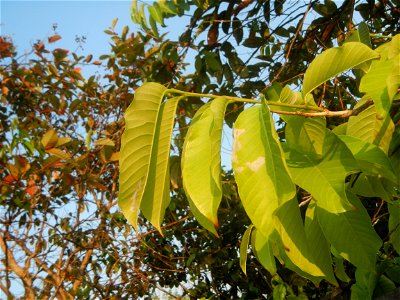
{"x": 340, "y": 271}
{"x": 365, "y": 284}
{"x": 262, "y": 248}
{"x": 334, "y": 61}
{"x": 319, "y": 247}
{"x": 137, "y": 147}
{"x": 358, "y": 242}
{"x": 290, "y": 227}
{"x": 244, "y": 246}
{"x": 201, "y": 162}
{"x": 368, "y": 127}
{"x": 156, "y": 196}
{"x": 260, "y": 170}
{"x": 324, "y": 176}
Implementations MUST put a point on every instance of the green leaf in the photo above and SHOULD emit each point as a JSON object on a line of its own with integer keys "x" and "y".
{"x": 244, "y": 246}
{"x": 357, "y": 242}
{"x": 319, "y": 247}
{"x": 371, "y": 186}
{"x": 394, "y": 225}
{"x": 137, "y": 144}
{"x": 365, "y": 284}
{"x": 324, "y": 176}
{"x": 367, "y": 126}
{"x": 156, "y": 14}
{"x": 371, "y": 159}
{"x": 156, "y": 196}
{"x": 334, "y": 61}
{"x": 290, "y": 227}
{"x": 361, "y": 35}
{"x": 375, "y": 85}
{"x": 340, "y": 272}
{"x": 262, "y": 248}
{"x": 384, "y": 287}
{"x": 237, "y": 30}
{"x": 201, "y": 162}
{"x": 273, "y": 92}
{"x": 306, "y": 135}
{"x": 260, "y": 170}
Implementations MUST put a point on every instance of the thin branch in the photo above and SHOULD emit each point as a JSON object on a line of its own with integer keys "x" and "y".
{"x": 326, "y": 113}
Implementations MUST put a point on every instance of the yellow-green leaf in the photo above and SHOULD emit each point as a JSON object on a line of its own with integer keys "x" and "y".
{"x": 137, "y": 145}
{"x": 201, "y": 162}
{"x": 259, "y": 167}
{"x": 50, "y": 139}
{"x": 244, "y": 246}
{"x": 335, "y": 61}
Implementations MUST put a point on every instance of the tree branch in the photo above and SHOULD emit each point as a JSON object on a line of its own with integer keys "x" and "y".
{"x": 17, "y": 269}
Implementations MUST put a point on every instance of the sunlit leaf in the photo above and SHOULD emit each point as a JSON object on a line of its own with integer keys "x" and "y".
{"x": 137, "y": 147}
{"x": 244, "y": 246}
{"x": 334, "y": 61}
{"x": 262, "y": 248}
{"x": 156, "y": 196}
{"x": 370, "y": 157}
{"x": 323, "y": 176}
{"x": 374, "y": 84}
{"x": 367, "y": 126}
{"x": 290, "y": 227}
{"x": 260, "y": 170}
{"x": 201, "y": 162}
{"x": 306, "y": 135}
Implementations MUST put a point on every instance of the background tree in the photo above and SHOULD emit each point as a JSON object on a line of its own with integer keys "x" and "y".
{"x": 62, "y": 235}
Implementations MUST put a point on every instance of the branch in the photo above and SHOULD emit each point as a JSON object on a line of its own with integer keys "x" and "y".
{"x": 22, "y": 273}
{"x": 326, "y": 113}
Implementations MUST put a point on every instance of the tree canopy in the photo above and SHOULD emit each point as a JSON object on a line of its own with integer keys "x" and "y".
{"x": 314, "y": 192}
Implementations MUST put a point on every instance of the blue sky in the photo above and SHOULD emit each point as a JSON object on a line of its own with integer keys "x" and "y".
{"x": 28, "y": 21}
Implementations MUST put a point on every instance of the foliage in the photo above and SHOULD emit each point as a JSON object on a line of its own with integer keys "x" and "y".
{"x": 62, "y": 234}
{"x": 315, "y": 184}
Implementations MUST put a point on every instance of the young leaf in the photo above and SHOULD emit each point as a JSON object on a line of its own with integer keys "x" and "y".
{"x": 260, "y": 170}
{"x": 334, "y": 61}
{"x": 244, "y": 246}
{"x": 351, "y": 234}
{"x": 323, "y": 176}
{"x": 137, "y": 147}
{"x": 201, "y": 162}
{"x": 155, "y": 13}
